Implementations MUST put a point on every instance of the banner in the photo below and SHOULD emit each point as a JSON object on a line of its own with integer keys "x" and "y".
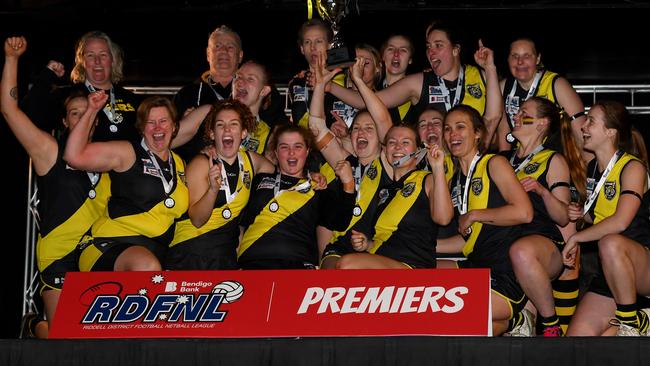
{"x": 295, "y": 303}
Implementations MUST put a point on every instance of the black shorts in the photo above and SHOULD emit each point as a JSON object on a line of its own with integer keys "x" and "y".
{"x": 187, "y": 256}
{"x": 52, "y": 276}
{"x": 100, "y": 254}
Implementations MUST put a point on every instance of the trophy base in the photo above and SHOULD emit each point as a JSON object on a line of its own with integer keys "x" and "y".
{"x": 341, "y": 57}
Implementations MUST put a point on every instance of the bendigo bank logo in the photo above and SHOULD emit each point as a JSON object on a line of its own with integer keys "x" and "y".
{"x": 182, "y": 302}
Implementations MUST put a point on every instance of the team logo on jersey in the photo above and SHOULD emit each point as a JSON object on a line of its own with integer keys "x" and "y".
{"x": 149, "y": 168}
{"x": 408, "y": 189}
{"x": 246, "y": 179}
{"x": 512, "y": 105}
{"x": 371, "y": 172}
{"x": 298, "y": 93}
{"x": 475, "y": 91}
{"x": 383, "y": 196}
{"x": 531, "y": 168}
{"x": 251, "y": 144}
{"x": 436, "y": 95}
{"x": 477, "y": 186}
{"x": 610, "y": 190}
{"x": 266, "y": 183}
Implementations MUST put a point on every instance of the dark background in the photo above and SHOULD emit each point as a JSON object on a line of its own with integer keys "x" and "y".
{"x": 601, "y": 42}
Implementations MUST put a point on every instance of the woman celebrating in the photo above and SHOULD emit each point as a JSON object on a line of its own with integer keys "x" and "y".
{"x": 617, "y": 204}
{"x": 372, "y": 172}
{"x": 529, "y": 78}
{"x": 397, "y": 54}
{"x": 147, "y": 188}
{"x": 447, "y": 84}
{"x": 405, "y": 228}
{"x": 544, "y": 174}
{"x": 69, "y": 200}
{"x": 489, "y": 202}
{"x": 206, "y": 237}
{"x": 284, "y": 210}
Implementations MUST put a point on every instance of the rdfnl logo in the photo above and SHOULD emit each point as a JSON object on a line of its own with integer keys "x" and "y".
{"x": 164, "y": 307}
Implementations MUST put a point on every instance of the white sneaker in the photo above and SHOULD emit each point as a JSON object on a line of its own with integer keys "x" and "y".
{"x": 624, "y": 330}
{"x": 526, "y": 328}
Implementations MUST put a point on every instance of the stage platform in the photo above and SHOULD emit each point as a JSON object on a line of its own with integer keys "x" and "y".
{"x": 396, "y": 351}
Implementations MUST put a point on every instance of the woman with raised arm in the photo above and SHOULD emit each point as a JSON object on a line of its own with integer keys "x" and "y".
{"x": 447, "y": 84}
{"x": 405, "y": 227}
{"x": 617, "y": 205}
{"x": 544, "y": 174}
{"x": 69, "y": 200}
{"x": 529, "y": 78}
{"x": 490, "y": 203}
{"x": 207, "y": 236}
{"x": 284, "y": 209}
{"x": 148, "y": 191}
{"x": 372, "y": 172}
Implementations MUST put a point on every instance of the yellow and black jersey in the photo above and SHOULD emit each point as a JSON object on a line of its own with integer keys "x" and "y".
{"x": 545, "y": 89}
{"x": 607, "y": 200}
{"x": 300, "y": 99}
{"x": 375, "y": 183}
{"x": 258, "y": 140}
{"x": 282, "y": 227}
{"x": 472, "y": 93}
{"x": 449, "y": 166}
{"x": 404, "y": 230}
{"x": 137, "y": 210}
{"x": 69, "y": 204}
{"x": 219, "y": 236}
{"x": 537, "y": 168}
{"x": 487, "y": 245}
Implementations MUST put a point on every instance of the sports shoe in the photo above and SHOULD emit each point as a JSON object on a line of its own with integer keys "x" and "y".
{"x": 526, "y": 328}
{"x": 624, "y": 330}
{"x": 552, "y": 331}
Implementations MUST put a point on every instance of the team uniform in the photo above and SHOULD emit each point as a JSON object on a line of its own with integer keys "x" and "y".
{"x": 140, "y": 211}
{"x": 403, "y": 230}
{"x": 70, "y": 201}
{"x": 203, "y": 91}
{"x": 469, "y": 89}
{"x": 258, "y": 140}
{"x": 214, "y": 245}
{"x": 605, "y": 206}
{"x": 537, "y": 168}
{"x": 300, "y": 100}
{"x": 281, "y": 218}
{"x": 373, "y": 184}
{"x": 43, "y": 104}
{"x": 487, "y": 245}
{"x": 543, "y": 87}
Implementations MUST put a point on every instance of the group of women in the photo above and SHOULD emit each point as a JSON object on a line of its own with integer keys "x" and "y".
{"x": 412, "y": 179}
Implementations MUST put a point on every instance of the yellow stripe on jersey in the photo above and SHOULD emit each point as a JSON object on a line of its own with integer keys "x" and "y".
{"x": 288, "y": 202}
{"x": 398, "y": 207}
{"x": 480, "y": 183}
{"x": 605, "y": 205}
{"x": 185, "y": 230}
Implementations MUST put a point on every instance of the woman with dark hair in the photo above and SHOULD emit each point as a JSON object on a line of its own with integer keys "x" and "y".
{"x": 447, "y": 84}
{"x": 489, "y": 202}
{"x": 544, "y": 174}
{"x": 397, "y": 54}
{"x": 148, "y": 191}
{"x": 283, "y": 210}
{"x": 617, "y": 205}
{"x": 529, "y": 78}
{"x": 206, "y": 237}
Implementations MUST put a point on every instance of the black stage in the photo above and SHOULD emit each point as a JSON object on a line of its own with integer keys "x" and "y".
{"x": 471, "y": 351}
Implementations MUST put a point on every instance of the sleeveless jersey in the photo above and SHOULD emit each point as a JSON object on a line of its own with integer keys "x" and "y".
{"x": 545, "y": 89}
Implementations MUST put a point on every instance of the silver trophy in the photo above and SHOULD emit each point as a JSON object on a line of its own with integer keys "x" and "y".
{"x": 339, "y": 54}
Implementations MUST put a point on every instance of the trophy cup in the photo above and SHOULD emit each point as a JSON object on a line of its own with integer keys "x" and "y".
{"x": 339, "y": 54}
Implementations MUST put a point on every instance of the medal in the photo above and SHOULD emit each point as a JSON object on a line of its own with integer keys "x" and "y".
{"x": 92, "y": 194}
{"x": 94, "y": 178}
{"x": 113, "y": 128}
{"x": 510, "y": 138}
{"x": 356, "y": 211}
{"x": 274, "y": 207}
{"x": 117, "y": 117}
{"x": 169, "y": 202}
{"x": 226, "y": 213}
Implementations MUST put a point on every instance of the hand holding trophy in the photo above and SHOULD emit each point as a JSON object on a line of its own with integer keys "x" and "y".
{"x": 339, "y": 54}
